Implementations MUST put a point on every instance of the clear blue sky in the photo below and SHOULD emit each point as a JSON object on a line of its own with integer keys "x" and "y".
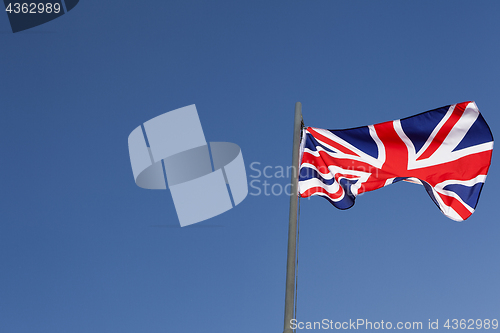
{"x": 83, "y": 249}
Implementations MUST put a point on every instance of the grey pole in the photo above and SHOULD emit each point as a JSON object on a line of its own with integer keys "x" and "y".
{"x": 292, "y": 226}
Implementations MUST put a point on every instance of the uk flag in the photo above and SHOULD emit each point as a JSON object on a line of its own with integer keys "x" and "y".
{"x": 447, "y": 150}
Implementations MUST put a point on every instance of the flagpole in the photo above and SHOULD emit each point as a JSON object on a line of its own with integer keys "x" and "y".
{"x": 292, "y": 224}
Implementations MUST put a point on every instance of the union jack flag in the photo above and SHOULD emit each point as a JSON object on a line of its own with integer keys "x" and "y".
{"x": 447, "y": 150}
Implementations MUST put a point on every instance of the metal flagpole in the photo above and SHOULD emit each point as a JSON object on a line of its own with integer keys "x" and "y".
{"x": 292, "y": 226}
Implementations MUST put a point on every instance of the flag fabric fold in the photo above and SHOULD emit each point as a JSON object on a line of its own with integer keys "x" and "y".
{"x": 447, "y": 150}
